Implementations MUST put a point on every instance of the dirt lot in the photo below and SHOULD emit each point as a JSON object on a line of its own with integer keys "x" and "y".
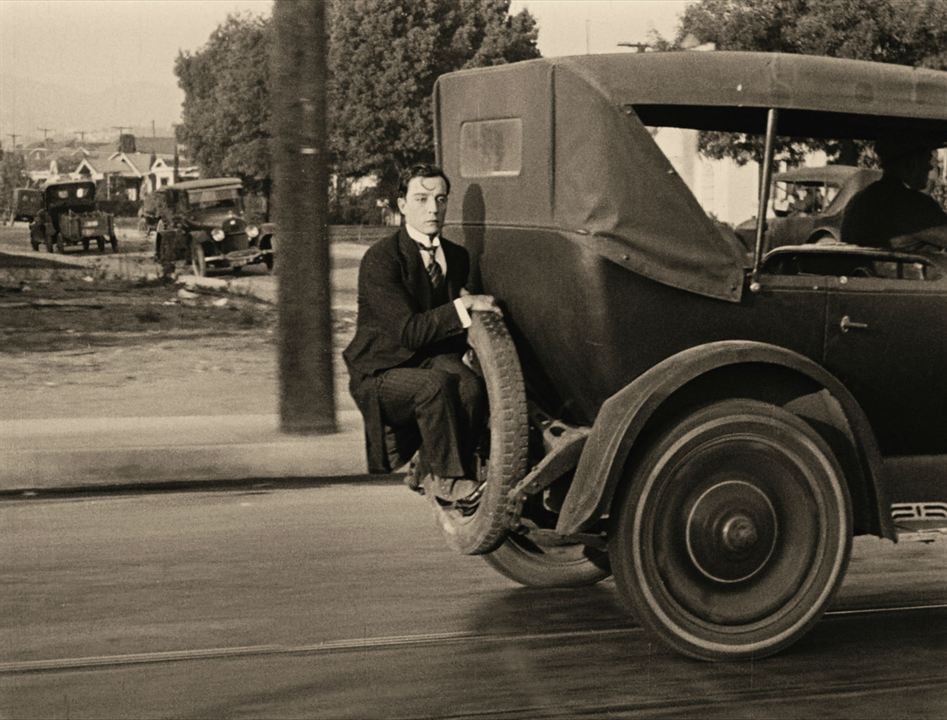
{"x": 75, "y": 343}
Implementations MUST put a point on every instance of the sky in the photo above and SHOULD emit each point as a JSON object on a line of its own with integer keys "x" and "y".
{"x": 115, "y": 58}
{"x": 574, "y": 27}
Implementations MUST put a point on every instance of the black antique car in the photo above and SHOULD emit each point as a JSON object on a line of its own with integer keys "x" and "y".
{"x": 807, "y": 204}
{"x": 26, "y": 203}
{"x": 201, "y": 221}
{"x": 69, "y": 216}
{"x": 711, "y": 425}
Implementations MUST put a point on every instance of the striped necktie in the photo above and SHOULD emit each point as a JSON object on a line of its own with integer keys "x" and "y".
{"x": 434, "y": 272}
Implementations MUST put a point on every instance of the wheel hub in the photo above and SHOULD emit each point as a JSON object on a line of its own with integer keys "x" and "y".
{"x": 731, "y": 531}
{"x": 739, "y": 533}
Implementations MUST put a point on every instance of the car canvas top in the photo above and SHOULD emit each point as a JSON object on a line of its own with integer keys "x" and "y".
{"x": 563, "y": 143}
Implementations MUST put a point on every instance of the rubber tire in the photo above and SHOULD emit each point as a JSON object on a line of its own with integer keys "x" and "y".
{"x": 113, "y": 241}
{"x": 530, "y": 564}
{"x": 772, "y": 454}
{"x": 85, "y": 246}
{"x": 268, "y": 262}
{"x": 485, "y": 529}
{"x": 100, "y": 243}
{"x": 198, "y": 264}
{"x": 48, "y": 242}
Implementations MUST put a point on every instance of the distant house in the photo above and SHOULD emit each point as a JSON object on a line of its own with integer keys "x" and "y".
{"x": 122, "y": 174}
{"x": 143, "y": 166}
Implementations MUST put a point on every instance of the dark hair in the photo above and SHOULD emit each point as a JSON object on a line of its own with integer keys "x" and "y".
{"x": 424, "y": 170}
{"x": 891, "y": 148}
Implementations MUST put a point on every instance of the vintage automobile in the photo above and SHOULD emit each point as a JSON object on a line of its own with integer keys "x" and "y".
{"x": 150, "y": 211}
{"x": 69, "y": 216}
{"x": 201, "y": 221}
{"x": 26, "y": 203}
{"x": 807, "y": 204}
{"x": 712, "y": 427}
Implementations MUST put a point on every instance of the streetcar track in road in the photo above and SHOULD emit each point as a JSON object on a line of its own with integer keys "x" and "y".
{"x": 363, "y": 644}
{"x": 329, "y": 646}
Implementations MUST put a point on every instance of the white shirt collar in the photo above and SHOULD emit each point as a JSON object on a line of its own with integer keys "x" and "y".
{"x": 422, "y": 238}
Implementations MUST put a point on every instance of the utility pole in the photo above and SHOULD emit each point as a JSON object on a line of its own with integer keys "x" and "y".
{"x": 307, "y": 391}
{"x": 81, "y": 134}
{"x": 175, "y": 168}
{"x": 45, "y": 131}
{"x": 13, "y": 136}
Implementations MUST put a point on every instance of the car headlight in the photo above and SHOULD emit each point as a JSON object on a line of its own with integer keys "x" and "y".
{"x": 252, "y": 231}
{"x": 218, "y": 234}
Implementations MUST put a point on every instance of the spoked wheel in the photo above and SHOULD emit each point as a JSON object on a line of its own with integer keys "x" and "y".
{"x": 198, "y": 263}
{"x": 537, "y": 563}
{"x": 481, "y": 528}
{"x": 734, "y": 532}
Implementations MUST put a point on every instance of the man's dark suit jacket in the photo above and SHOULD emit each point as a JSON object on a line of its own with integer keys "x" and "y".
{"x": 399, "y": 325}
{"x": 887, "y": 209}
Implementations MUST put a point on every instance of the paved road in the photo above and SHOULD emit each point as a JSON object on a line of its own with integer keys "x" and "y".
{"x": 342, "y": 601}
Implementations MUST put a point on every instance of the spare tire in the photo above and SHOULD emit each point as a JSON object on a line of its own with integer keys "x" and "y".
{"x": 483, "y": 528}
{"x": 534, "y": 563}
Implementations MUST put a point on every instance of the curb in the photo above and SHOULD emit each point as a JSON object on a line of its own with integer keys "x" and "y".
{"x": 64, "y": 454}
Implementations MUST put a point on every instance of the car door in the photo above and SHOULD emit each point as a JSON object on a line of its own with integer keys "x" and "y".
{"x": 886, "y": 339}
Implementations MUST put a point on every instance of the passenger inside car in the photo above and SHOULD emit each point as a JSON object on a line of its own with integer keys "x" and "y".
{"x": 894, "y": 212}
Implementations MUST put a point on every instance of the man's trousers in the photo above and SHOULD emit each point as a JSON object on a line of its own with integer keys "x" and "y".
{"x": 447, "y": 401}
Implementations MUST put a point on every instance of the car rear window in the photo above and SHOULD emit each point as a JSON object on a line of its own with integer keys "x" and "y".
{"x": 491, "y": 148}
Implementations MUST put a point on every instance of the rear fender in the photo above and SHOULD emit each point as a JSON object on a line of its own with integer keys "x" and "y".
{"x": 267, "y": 241}
{"x": 626, "y": 414}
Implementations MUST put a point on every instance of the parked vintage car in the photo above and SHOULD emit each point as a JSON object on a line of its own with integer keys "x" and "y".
{"x": 69, "y": 216}
{"x": 201, "y": 221}
{"x": 807, "y": 204}
{"x": 710, "y": 425}
{"x": 26, "y": 203}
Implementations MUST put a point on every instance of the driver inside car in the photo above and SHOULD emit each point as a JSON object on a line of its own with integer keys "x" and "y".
{"x": 894, "y": 212}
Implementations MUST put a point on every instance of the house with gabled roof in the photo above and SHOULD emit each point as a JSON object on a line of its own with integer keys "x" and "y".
{"x": 126, "y": 174}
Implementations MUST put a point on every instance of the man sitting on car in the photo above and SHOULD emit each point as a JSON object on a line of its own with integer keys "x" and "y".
{"x": 893, "y": 212}
{"x": 405, "y": 360}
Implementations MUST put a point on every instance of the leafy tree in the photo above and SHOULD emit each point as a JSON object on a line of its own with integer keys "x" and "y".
{"x": 226, "y": 107}
{"x": 906, "y": 32}
{"x": 12, "y": 176}
{"x": 384, "y": 56}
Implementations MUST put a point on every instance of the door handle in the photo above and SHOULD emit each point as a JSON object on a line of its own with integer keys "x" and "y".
{"x": 847, "y": 324}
